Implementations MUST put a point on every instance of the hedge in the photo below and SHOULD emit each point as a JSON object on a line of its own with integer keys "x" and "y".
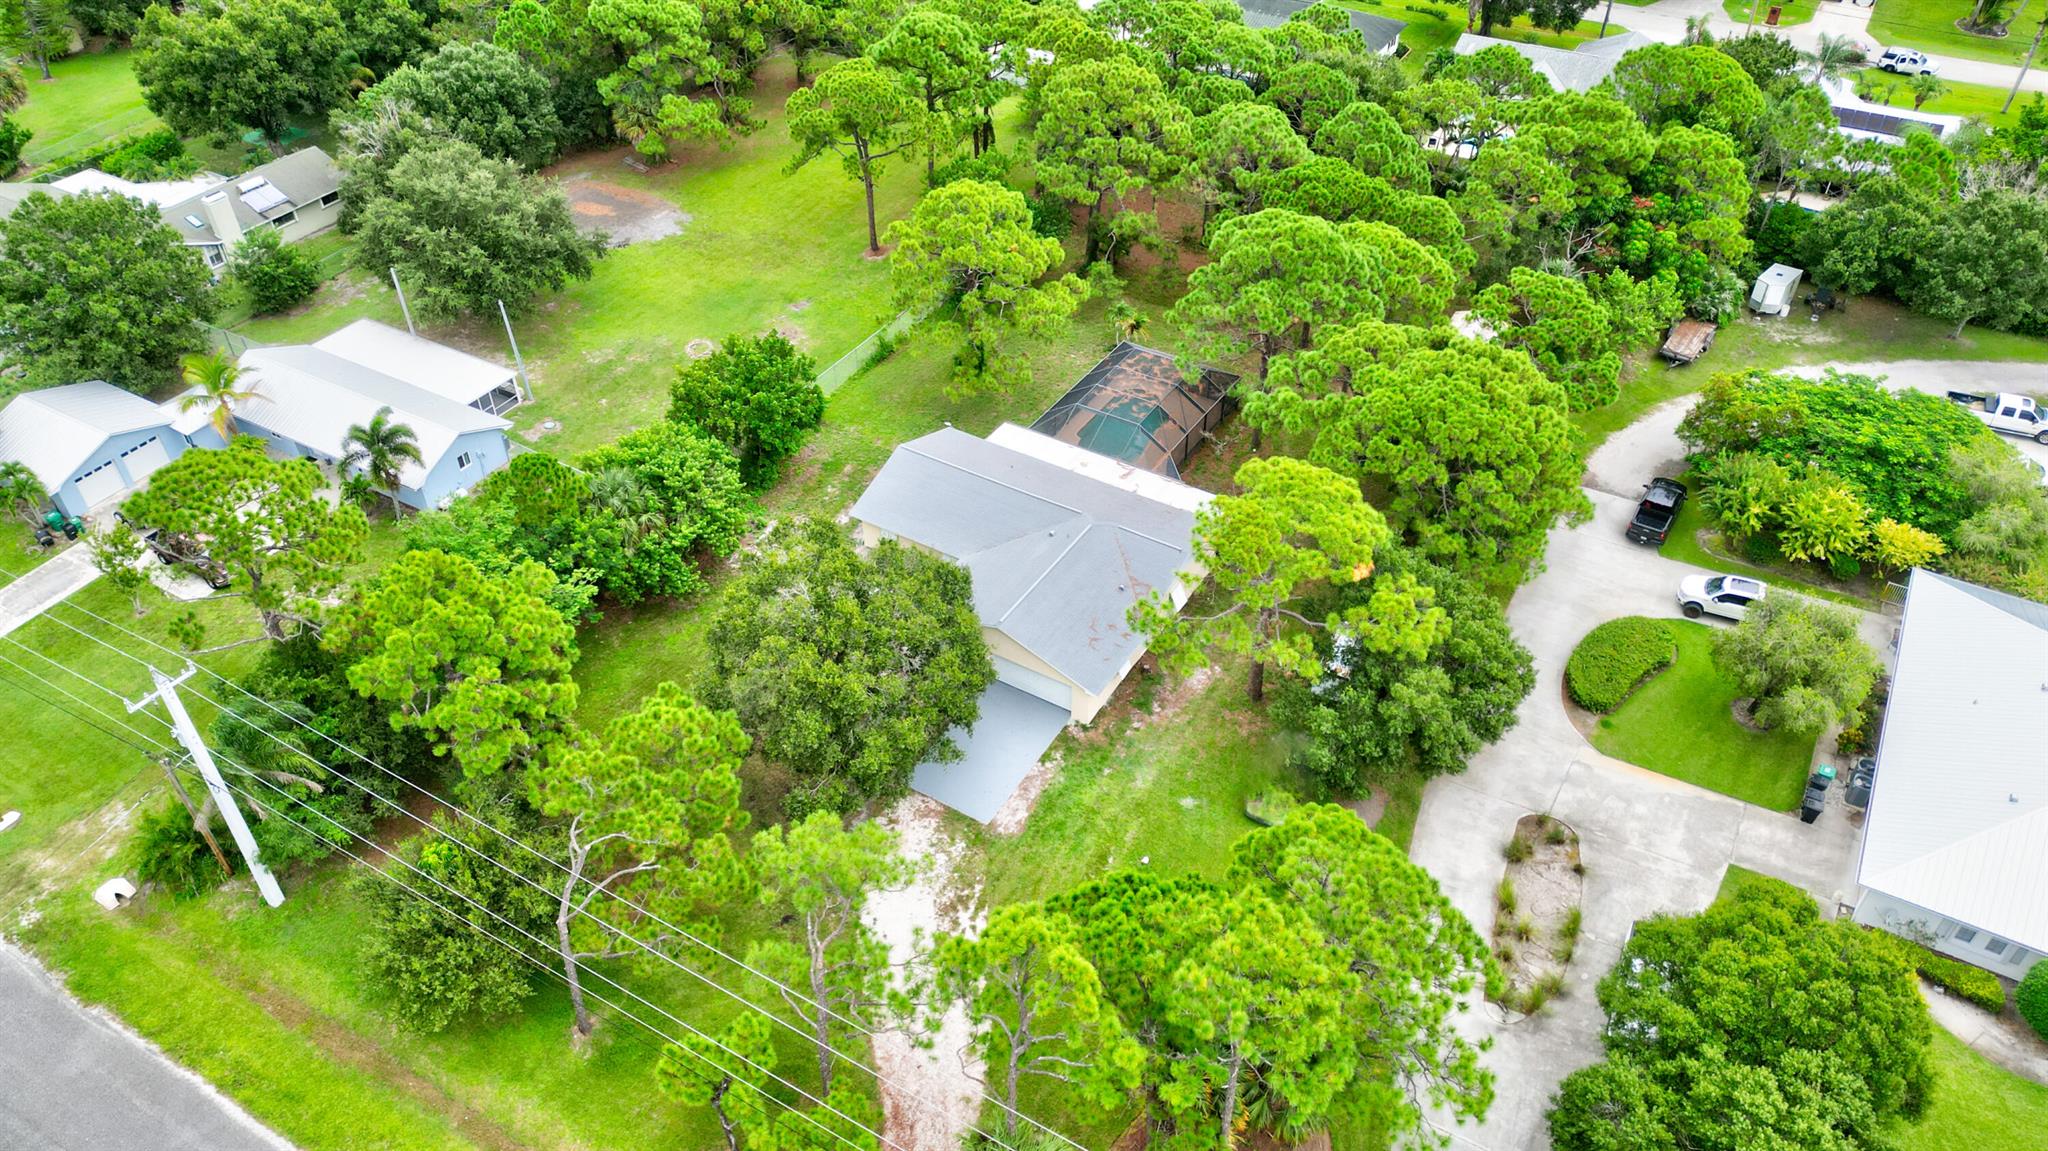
{"x": 2032, "y": 999}
{"x": 1615, "y": 658}
{"x": 1953, "y": 975}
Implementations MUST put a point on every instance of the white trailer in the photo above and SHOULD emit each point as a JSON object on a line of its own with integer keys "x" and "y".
{"x": 1774, "y": 290}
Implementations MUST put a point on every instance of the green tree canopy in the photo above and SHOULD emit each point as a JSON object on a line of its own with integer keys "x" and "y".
{"x": 849, "y": 670}
{"x": 1107, "y": 128}
{"x": 1570, "y": 334}
{"x": 215, "y": 68}
{"x": 265, "y": 520}
{"x": 466, "y": 232}
{"x": 1366, "y": 136}
{"x": 969, "y": 256}
{"x": 1691, "y": 84}
{"x": 758, "y": 396}
{"x": 860, "y": 111}
{"x": 659, "y": 54}
{"x": 479, "y": 663}
{"x": 479, "y": 93}
{"x": 98, "y": 287}
{"x": 1801, "y": 662}
{"x": 1473, "y": 445}
{"x": 1235, "y": 146}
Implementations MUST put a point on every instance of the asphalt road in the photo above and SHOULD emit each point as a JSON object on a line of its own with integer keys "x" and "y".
{"x": 72, "y": 1080}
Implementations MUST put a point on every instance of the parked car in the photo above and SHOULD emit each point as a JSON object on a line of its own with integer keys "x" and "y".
{"x": 1861, "y": 778}
{"x": 1658, "y": 510}
{"x": 174, "y": 550}
{"x": 1727, "y": 596}
{"x": 2006, "y": 412}
{"x": 1816, "y": 798}
{"x": 1907, "y": 62}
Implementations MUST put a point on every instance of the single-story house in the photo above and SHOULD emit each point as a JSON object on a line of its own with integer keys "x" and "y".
{"x": 447, "y": 372}
{"x": 90, "y": 444}
{"x": 307, "y": 398}
{"x": 1060, "y": 542}
{"x": 299, "y": 195}
{"x": 1955, "y": 842}
{"x": 1858, "y": 119}
{"x": 1382, "y": 34}
{"x": 157, "y": 194}
{"x": 1578, "y": 70}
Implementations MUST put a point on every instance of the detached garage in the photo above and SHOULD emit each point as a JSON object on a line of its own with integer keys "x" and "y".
{"x": 90, "y": 444}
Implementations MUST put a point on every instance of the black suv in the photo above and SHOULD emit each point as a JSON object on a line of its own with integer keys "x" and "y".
{"x": 1659, "y": 510}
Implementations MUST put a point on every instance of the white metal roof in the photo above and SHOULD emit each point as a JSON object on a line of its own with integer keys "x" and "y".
{"x": 311, "y": 396}
{"x": 1779, "y": 274}
{"x": 156, "y": 193}
{"x": 55, "y": 431}
{"x": 437, "y": 368}
{"x": 1958, "y": 823}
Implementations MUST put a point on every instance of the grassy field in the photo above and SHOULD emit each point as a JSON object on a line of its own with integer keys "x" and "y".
{"x": 1438, "y": 25}
{"x": 1794, "y": 12}
{"x": 1680, "y": 724}
{"x": 1957, "y": 99}
{"x": 1930, "y": 25}
{"x": 1977, "y": 1104}
{"x": 89, "y": 97}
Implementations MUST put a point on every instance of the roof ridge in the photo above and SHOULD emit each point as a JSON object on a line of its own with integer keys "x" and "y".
{"x": 913, "y": 449}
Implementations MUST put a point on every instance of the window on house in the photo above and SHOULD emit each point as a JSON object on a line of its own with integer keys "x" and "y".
{"x": 286, "y": 220}
{"x": 464, "y": 460}
{"x": 214, "y": 259}
{"x": 1995, "y": 945}
{"x": 1966, "y": 935}
{"x": 330, "y": 199}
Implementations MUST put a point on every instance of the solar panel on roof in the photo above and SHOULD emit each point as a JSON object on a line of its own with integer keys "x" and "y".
{"x": 251, "y": 183}
{"x": 264, "y": 198}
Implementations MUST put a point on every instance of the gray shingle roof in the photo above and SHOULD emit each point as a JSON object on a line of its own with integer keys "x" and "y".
{"x": 1576, "y": 71}
{"x": 303, "y": 177}
{"x": 1958, "y": 821}
{"x": 1057, "y": 557}
{"x": 55, "y": 431}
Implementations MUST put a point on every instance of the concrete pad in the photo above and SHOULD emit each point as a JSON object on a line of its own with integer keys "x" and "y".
{"x": 46, "y": 585}
{"x": 1013, "y": 731}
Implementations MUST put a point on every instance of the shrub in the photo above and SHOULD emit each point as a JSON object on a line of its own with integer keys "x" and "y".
{"x": 1505, "y": 896}
{"x": 13, "y": 138}
{"x": 170, "y": 854}
{"x": 1517, "y": 850}
{"x": 1616, "y": 657}
{"x": 2032, "y": 999}
{"x": 275, "y": 275}
{"x": 154, "y": 155}
{"x": 1960, "y": 979}
{"x": 1050, "y": 217}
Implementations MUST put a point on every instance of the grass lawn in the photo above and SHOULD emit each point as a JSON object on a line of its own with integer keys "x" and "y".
{"x": 1433, "y": 26}
{"x": 1930, "y": 25}
{"x": 1794, "y": 12}
{"x": 1977, "y": 1104}
{"x": 89, "y": 97}
{"x": 601, "y": 352}
{"x": 1680, "y": 724}
{"x": 1958, "y": 99}
{"x": 1736, "y": 879}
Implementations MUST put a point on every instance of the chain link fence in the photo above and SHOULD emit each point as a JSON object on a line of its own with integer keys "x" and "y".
{"x": 849, "y": 365}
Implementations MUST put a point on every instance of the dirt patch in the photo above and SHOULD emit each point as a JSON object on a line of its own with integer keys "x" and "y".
{"x": 1537, "y": 911}
{"x": 623, "y": 215}
{"x": 544, "y": 428}
{"x": 1370, "y": 808}
{"x": 1016, "y": 810}
{"x": 699, "y": 348}
{"x": 930, "y": 1097}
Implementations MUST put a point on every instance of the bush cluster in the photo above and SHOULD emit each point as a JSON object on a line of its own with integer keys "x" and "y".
{"x": 1615, "y": 657}
{"x": 1960, "y": 979}
{"x": 2032, "y": 999}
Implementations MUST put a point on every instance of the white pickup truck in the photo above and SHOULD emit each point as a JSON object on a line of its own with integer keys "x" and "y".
{"x": 2005, "y": 412}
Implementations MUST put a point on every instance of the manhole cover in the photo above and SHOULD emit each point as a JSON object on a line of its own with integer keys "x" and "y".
{"x": 699, "y": 348}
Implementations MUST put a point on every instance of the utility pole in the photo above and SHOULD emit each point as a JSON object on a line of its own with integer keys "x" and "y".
{"x": 402, "y": 305}
{"x": 202, "y": 757}
{"x": 1603, "y": 20}
{"x": 525, "y": 384}
{"x": 2028, "y": 63}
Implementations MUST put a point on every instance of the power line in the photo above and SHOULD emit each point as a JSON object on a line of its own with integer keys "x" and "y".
{"x": 788, "y": 991}
{"x": 515, "y": 949}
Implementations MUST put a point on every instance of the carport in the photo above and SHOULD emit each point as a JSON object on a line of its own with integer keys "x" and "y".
{"x": 1005, "y": 743}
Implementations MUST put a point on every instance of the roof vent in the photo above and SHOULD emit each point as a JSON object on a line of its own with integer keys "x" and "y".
{"x": 2011, "y": 797}
{"x": 196, "y": 222}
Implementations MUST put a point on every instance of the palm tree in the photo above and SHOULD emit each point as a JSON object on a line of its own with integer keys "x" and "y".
{"x": 13, "y": 87}
{"x": 1926, "y": 86}
{"x": 380, "y": 448}
{"x": 618, "y": 491}
{"x": 219, "y": 383}
{"x": 1833, "y": 56}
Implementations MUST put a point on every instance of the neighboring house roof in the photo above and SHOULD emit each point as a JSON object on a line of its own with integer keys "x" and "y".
{"x": 1381, "y": 33}
{"x": 55, "y": 431}
{"x": 156, "y": 193}
{"x": 1859, "y": 119}
{"x": 437, "y": 368}
{"x": 11, "y": 195}
{"x": 312, "y": 397}
{"x": 1958, "y": 821}
{"x": 1575, "y": 71}
{"x": 1058, "y": 557}
{"x": 260, "y": 194}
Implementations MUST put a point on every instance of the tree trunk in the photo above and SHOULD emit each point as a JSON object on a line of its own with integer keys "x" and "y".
{"x": 1960, "y": 325}
{"x": 1258, "y": 684}
{"x": 732, "y": 1136}
{"x": 571, "y": 972}
{"x": 200, "y": 824}
{"x": 821, "y": 1033}
{"x": 1230, "y": 1097}
{"x": 867, "y": 183}
{"x": 1259, "y": 433}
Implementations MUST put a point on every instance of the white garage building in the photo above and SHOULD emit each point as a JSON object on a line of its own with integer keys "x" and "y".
{"x": 90, "y": 444}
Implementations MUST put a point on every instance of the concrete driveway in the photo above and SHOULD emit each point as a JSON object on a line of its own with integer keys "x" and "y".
{"x": 44, "y": 585}
{"x": 1651, "y": 844}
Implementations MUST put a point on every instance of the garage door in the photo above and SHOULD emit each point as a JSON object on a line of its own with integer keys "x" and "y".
{"x": 144, "y": 458}
{"x": 1036, "y": 683}
{"x": 100, "y": 484}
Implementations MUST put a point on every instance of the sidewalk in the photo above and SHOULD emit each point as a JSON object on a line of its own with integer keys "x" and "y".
{"x": 50, "y": 583}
